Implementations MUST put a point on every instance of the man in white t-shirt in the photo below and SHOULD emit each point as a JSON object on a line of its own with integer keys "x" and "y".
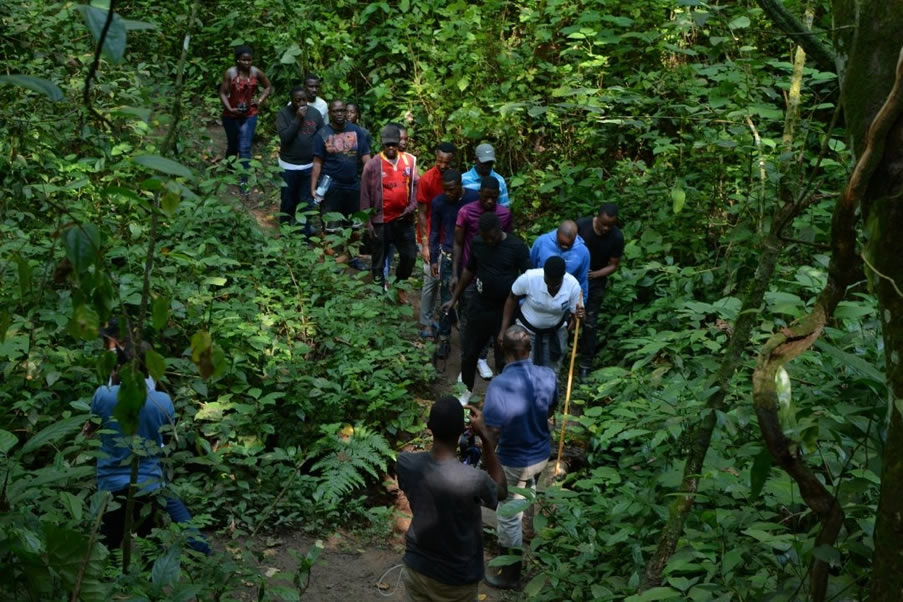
{"x": 551, "y": 298}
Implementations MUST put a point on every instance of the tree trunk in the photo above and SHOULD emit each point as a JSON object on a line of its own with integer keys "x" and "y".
{"x": 867, "y": 58}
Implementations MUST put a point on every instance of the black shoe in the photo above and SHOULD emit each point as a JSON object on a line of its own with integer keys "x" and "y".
{"x": 444, "y": 349}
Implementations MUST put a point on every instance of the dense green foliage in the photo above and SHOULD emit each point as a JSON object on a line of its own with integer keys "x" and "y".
{"x": 674, "y": 110}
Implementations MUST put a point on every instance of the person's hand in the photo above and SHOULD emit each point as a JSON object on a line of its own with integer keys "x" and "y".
{"x": 301, "y": 112}
{"x": 434, "y": 270}
{"x": 425, "y": 254}
{"x": 593, "y": 274}
{"x": 446, "y": 307}
{"x": 371, "y": 229}
{"x": 581, "y": 312}
{"x": 477, "y": 426}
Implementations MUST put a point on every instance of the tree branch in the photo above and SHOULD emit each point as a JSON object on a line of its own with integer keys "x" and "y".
{"x": 790, "y": 25}
{"x": 86, "y": 94}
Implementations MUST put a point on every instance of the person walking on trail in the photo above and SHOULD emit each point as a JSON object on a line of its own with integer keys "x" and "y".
{"x": 430, "y": 187}
{"x": 402, "y": 146}
{"x": 339, "y": 147}
{"x": 311, "y": 94}
{"x": 353, "y": 115}
{"x": 241, "y": 104}
{"x": 388, "y": 190}
{"x": 114, "y": 463}
{"x": 567, "y": 244}
{"x": 483, "y": 168}
{"x": 443, "y": 558}
{"x": 551, "y": 299}
{"x": 466, "y": 228}
{"x": 296, "y": 124}
{"x": 606, "y": 246}
{"x": 495, "y": 261}
{"x": 519, "y": 402}
{"x": 443, "y": 217}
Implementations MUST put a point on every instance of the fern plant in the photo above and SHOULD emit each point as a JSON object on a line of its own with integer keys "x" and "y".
{"x": 347, "y": 455}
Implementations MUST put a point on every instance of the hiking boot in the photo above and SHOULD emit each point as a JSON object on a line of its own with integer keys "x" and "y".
{"x": 484, "y": 369}
{"x": 505, "y": 577}
{"x": 444, "y": 349}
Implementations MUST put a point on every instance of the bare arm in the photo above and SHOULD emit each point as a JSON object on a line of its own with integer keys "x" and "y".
{"x": 457, "y": 251}
{"x": 224, "y": 90}
{"x": 315, "y": 175}
{"x": 365, "y": 158}
{"x": 508, "y": 313}
{"x": 421, "y": 232}
{"x": 613, "y": 264}
{"x": 488, "y": 438}
{"x": 465, "y": 279}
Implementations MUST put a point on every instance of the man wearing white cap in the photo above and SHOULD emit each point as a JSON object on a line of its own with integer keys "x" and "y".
{"x": 482, "y": 168}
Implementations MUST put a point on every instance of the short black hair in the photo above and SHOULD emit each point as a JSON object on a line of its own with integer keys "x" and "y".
{"x": 243, "y": 50}
{"x": 489, "y": 183}
{"x": 447, "y": 147}
{"x": 554, "y": 268}
{"x": 355, "y": 105}
{"x": 609, "y": 209}
{"x": 489, "y": 222}
{"x": 446, "y": 419}
{"x": 311, "y": 76}
{"x": 296, "y": 89}
{"x": 451, "y": 175}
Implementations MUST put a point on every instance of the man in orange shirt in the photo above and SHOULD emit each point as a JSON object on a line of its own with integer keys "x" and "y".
{"x": 430, "y": 187}
{"x": 388, "y": 190}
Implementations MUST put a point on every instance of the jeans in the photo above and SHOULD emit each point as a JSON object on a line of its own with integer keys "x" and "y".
{"x": 296, "y": 192}
{"x": 510, "y": 530}
{"x": 398, "y": 232}
{"x": 445, "y": 294}
{"x": 239, "y": 134}
{"x": 588, "y": 338}
{"x": 428, "y": 294}
{"x": 482, "y": 328}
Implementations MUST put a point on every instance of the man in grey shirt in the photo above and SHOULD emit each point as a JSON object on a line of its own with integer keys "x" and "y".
{"x": 444, "y": 545}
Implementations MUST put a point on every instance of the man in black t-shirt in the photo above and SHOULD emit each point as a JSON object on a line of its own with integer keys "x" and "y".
{"x": 444, "y": 546}
{"x": 496, "y": 260}
{"x": 606, "y": 245}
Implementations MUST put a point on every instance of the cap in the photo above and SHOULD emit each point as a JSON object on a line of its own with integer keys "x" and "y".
{"x": 390, "y": 135}
{"x": 485, "y": 153}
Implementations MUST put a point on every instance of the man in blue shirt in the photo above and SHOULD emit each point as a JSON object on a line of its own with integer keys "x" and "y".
{"x": 518, "y": 404}
{"x": 482, "y": 168}
{"x": 567, "y": 244}
{"x": 443, "y": 215}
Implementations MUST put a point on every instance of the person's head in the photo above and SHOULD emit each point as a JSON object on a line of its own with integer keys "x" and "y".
{"x": 489, "y": 193}
{"x": 298, "y": 97}
{"x": 485, "y": 159}
{"x": 352, "y": 112}
{"x": 111, "y": 336}
{"x": 566, "y": 234}
{"x": 337, "y": 114}
{"x": 445, "y": 154}
{"x": 491, "y": 229}
{"x": 243, "y": 57}
{"x": 607, "y": 218}
{"x": 446, "y": 420}
{"x": 451, "y": 184}
{"x": 403, "y": 136}
{"x": 311, "y": 86}
{"x": 390, "y": 138}
{"x": 553, "y": 274}
{"x": 516, "y": 343}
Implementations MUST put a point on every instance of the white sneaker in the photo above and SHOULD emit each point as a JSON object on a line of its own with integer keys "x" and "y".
{"x": 484, "y": 369}
{"x": 459, "y": 378}
{"x": 464, "y": 398}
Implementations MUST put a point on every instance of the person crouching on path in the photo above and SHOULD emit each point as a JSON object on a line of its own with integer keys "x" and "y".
{"x": 496, "y": 260}
{"x": 519, "y": 402}
{"x": 443, "y": 560}
{"x": 551, "y": 298}
{"x": 388, "y": 189}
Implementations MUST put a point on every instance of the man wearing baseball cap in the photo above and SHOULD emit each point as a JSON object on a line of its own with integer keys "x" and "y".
{"x": 482, "y": 168}
{"x": 388, "y": 189}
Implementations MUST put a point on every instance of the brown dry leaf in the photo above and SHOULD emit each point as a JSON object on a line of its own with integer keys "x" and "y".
{"x": 382, "y": 586}
{"x": 482, "y": 597}
{"x": 271, "y": 571}
{"x": 269, "y": 552}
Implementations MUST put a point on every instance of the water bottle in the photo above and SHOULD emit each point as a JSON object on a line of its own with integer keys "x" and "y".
{"x": 323, "y": 186}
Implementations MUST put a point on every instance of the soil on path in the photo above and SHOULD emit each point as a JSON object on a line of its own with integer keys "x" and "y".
{"x": 349, "y": 568}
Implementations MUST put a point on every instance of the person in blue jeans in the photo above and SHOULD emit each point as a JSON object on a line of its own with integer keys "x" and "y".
{"x": 114, "y": 463}
{"x": 241, "y": 104}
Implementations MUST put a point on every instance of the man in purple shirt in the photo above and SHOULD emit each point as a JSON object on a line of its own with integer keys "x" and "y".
{"x": 467, "y": 226}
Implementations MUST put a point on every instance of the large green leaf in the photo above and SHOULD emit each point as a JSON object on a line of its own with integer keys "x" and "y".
{"x": 7, "y": 441}
{"x": 163, "y": 165}
{"x": 82, "y": 245}
{"x": 166, "y": 568}
{"x": 53, "y": 433}
{"x": 131, "y": 398}
{"x": 85, "y": 323}
{"x": 160, "y": 312}
{"x": 114, "y": 42}
{"x": 37, "y": 84}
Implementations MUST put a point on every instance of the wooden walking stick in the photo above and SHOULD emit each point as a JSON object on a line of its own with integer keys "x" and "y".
{"x": 567, "y": 397}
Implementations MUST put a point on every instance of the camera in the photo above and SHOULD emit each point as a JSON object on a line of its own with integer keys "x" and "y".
{"x": 243, "y": 107}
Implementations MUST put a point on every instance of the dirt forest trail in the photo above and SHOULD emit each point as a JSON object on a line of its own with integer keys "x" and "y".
{"x": 350, "y": 567}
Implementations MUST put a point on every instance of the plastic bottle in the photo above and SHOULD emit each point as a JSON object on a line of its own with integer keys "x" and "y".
{"x": 322, "y": 187}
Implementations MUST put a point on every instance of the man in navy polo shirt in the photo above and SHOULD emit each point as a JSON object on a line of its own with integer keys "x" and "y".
{"x": 518, "y": 404}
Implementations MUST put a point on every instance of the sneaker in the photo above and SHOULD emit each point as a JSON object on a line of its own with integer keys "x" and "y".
{"x": 484, "y": 369}
{"x": 358, "y": 265}
{"x": 464, "y": 398}
{"x": 444, "y": 349}
{"x": 459, "y": 378}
